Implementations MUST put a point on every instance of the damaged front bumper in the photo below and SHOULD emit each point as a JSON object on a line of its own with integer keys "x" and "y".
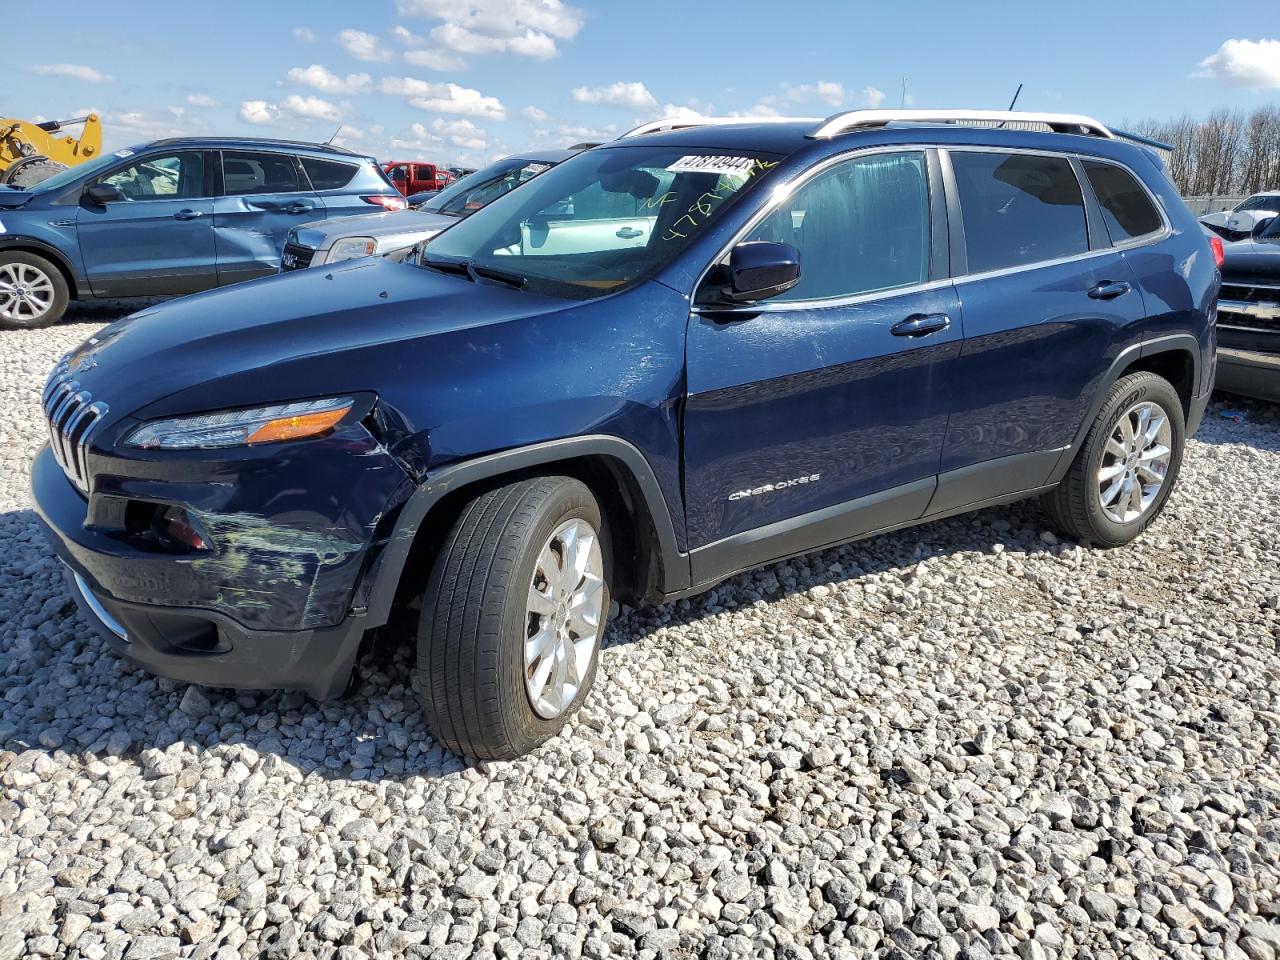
{"x": 275, "y": 600}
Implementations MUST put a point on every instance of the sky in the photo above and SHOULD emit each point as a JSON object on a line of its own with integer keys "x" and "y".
{"x": 468, "y": 81}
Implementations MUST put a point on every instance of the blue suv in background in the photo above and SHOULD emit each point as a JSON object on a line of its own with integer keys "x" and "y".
{"x": 664, "y": 361}
{"x": 171, "y": 217}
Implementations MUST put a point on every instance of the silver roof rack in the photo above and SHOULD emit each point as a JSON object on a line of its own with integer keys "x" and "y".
{"x": 671, "y": 123}
{"x": 853, "y": 120}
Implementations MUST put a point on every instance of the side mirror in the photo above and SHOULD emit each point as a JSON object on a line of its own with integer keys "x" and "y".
{"x": 759, "y": 270}
{"x": 101, "y": 194}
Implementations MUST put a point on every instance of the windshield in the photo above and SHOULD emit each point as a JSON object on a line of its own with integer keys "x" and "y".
{"x": 72, "y": 174}
{"x": 602, "y": 220}
{"x": 468, "y": 195}
{"x": 1261, "y": 201}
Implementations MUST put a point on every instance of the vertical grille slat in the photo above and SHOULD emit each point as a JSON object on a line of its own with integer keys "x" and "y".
{"x": 72, "y": 415}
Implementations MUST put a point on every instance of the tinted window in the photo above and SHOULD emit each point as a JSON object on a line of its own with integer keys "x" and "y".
{"x": 1126, "y": 208}
{"x": 169, "y": 176}
{"x": 244, "y": 172}
{"x": 328, "y": 174}
{"x": 1019, "y": 209}
{"x": 1261, "y": 201}
{"x": 861, "y": 226}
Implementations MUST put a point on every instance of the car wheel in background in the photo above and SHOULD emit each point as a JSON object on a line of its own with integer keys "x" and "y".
{"x": 33, "y": 292}
{"x": 512, "y": 618}
{"x": 1125, "y": 470}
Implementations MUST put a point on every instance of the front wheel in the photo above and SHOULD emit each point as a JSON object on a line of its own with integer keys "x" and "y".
{"x": 512, "y": 618}
{"x": 1127, "y": 466}
{"x": 33, "y": 292}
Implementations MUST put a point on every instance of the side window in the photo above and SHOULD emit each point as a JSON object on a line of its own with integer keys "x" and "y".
{"x": 245, "y": 173}
{"x": 173, "y": 176}
{"x": 1126, "y": 208}
{"x": 328, "y": 174}
{"x": 1019, "y": 209}
{"x": 860, "y": 227}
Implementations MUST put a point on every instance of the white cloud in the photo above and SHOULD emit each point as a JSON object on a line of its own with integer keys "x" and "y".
{"x": 72, "y": 71}
{"x": 674, "y": 112}
{"x": 829, "y": 92}
{"x": 631, "y": 95}
{"x": 534, "y": 114}
{"x": 311, "y": 108}
{"x": 872, "y": 97}
{"x": 304, "y": 34}
{"x": 326, "y": 81}
{"x": 177, "y": 111}
{"x": 364, "y": 46}
{"x": 434, "y": 59}
{"x": 444, "y": 98}
{"x": 347, "y": 135}
{"x": 256, "y": 111}
{"x": 461, "y": 133}
{"x": 1253, "y": 64}
{"x": 527, "y": 28}
{"x": 201, "y": 100}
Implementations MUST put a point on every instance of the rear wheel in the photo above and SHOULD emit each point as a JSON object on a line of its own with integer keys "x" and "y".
{"x": 33, "y": 292}
{"x": 512, "y": 618}
{"x": 1125, "y": 470}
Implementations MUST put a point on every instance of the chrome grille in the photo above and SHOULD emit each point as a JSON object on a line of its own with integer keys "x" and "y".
{"x": 72, "y": 414}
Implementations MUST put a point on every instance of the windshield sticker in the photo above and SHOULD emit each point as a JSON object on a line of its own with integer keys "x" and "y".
{"x": 124, "y": 153}
{"x": 537, "y": 168}
{"x": 726, "y": 166}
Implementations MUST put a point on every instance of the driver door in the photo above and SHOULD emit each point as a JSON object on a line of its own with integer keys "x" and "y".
{"x": 157, "y": 240}
{"x": 819, "y": 415}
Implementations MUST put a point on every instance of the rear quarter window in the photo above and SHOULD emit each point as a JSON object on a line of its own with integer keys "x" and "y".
{"x": 1126, "y": 207}
{"x": 328, "y": 174}
{"x": 1019, "y": 209}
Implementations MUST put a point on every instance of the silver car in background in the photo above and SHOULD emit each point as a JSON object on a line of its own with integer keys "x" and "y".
{"x": 325, "y": 242}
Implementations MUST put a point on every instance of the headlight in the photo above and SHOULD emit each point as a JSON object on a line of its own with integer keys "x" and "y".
{"x": 238, "y": 428}
{"x": 349, "y": 248}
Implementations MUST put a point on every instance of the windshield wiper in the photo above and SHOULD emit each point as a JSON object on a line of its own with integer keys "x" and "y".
{"x": 501, "y": 276}
{"x": 449, "y": 266}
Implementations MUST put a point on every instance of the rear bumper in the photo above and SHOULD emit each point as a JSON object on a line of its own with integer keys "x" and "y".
{"x": 209, "y": 649}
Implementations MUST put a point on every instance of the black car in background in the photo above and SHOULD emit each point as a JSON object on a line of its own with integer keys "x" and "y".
{"x": 1249, "y": 315}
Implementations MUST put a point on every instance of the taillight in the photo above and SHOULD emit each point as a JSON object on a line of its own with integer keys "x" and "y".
{"x": 1219, "y": 255}
{"x": 385, "y": 202}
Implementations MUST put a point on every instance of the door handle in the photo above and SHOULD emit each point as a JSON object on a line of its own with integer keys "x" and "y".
{"x": 296, "y": 208}
{"x": 1109, "y": 290}
{"x": 628, "y": 233}
{"x": 187, "y": 214}
{"x": 920, "y": 325}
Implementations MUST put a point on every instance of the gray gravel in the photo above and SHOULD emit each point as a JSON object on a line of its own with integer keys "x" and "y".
{"x": 964, "y": 740}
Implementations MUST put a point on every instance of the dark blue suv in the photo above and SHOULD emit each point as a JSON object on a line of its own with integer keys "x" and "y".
{"x": 170, "y": 217}
{"x": 664, "y": 361}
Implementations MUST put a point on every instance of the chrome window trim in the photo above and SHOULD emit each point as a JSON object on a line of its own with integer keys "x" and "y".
{"x": 781, "y": 193}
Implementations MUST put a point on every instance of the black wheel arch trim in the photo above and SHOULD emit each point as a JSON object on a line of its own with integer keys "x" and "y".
{"x": 78, "y": 289}
{"x": 390, "y": 567}
{"x": 1172, "y": 343}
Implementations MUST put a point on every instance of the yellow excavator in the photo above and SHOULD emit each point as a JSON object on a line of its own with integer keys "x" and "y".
{"x": 31, "y": 152}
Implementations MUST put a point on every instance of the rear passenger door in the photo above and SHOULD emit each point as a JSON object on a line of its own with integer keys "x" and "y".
{"x": 264, "y": 194}
{"x": 1047, "y": 303}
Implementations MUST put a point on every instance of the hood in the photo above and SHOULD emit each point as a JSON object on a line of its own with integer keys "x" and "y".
{"x": 1251, "y": 260}
{"x": 10, "y": 198}
{"x": 321, "y": 233}
{"x": 277, "y": 338}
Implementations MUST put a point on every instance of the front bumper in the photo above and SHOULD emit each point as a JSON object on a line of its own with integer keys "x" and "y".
{"x": 211, "y": 650}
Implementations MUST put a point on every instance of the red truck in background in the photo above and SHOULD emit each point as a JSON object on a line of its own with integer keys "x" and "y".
{"x": 410, "y": 177}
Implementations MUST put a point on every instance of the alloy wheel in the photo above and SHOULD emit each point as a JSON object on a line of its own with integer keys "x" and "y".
{"x": 566, "y": 598}
{"x": 1135, "y": 462}
{"x": 26, "y": 292}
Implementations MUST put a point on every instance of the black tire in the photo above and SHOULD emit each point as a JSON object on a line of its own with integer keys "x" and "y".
{"x": 58, "y": 304}
{"x": 27, "y": 173}
{"x": 470, "y": 670}
{"x": 1074, "y": 506}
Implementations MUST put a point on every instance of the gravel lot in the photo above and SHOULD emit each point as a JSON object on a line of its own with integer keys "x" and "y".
{"x": 966, "y": 739}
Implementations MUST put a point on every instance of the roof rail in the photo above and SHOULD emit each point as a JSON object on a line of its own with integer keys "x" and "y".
{"x": 853, "y": 120}
{"x": 265, "y": 141}
{"x": 672, "y": 123}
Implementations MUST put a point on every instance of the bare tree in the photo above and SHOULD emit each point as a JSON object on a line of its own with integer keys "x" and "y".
{"x": 1228, "y": 152}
